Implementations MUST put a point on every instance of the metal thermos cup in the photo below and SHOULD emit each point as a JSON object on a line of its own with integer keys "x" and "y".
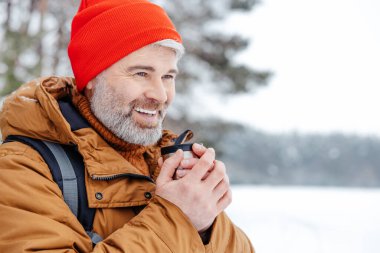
{"x": 167, "y": 152}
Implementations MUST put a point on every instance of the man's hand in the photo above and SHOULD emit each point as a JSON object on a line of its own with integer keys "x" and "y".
{"x": 200, "y": 196}
{"x": 188, "y": 163}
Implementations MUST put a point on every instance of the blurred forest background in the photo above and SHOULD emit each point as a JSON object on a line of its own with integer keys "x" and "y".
{"x": 34, "y": 35}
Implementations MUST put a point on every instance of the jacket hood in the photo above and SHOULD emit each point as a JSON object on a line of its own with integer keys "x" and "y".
{"x": 33, "y": 111}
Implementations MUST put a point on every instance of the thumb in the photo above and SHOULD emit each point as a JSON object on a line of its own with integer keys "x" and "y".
{"x": 169, "y": 166}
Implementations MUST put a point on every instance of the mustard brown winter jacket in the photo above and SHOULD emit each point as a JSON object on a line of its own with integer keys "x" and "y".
{"x": 33, "y": 214}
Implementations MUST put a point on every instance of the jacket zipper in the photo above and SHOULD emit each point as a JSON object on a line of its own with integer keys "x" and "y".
{"x": 112, "y": 177}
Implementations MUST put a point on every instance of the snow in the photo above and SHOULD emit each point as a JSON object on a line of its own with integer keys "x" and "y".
{"x": 325, "y": 57}
{"x": 305, "y": 219}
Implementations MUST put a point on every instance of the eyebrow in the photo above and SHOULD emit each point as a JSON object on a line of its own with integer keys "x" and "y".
{"x": 149, "y": 68}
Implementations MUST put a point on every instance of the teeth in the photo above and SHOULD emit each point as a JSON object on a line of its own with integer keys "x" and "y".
{"x": 145, "y": 111}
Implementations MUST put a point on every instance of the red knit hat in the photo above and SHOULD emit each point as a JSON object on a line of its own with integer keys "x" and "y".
{"x": 104, "y": 31}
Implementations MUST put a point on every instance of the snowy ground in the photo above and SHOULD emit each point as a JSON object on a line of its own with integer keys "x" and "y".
{"x": 308, "y": 220}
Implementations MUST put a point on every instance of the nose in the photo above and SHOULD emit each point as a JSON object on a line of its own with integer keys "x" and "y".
{"x": 157, "y": 91}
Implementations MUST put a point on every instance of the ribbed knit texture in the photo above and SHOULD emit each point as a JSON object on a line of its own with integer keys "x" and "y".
{"x": 105, "y": 31}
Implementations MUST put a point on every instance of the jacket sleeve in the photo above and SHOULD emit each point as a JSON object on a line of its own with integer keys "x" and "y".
{"x": 227, "y": 237}
{"x": 166, "y": 229}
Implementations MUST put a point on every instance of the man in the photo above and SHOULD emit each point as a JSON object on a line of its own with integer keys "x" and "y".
{"x": 124, "y": 57}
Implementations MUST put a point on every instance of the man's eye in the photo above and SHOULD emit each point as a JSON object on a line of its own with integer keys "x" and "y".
{"x": 142, "y": 74}
{"x": 168, "y": 77}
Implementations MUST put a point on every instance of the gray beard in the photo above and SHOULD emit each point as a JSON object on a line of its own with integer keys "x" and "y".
{"x": 108, "y": 106}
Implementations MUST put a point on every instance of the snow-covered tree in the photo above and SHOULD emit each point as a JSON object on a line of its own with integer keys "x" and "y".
{"x": 35, "y": 35}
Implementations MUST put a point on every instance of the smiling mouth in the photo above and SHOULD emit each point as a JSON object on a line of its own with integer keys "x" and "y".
{"x": 146, "y": 112}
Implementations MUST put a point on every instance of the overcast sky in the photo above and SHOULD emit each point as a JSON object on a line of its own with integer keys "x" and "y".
{"x": 326, "y": 58}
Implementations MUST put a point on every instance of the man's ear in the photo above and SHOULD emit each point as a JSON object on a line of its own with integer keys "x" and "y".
{"x": 89, "y": 89}
{"x": 90, "y": 85}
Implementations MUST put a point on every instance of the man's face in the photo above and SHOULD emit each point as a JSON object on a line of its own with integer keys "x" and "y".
{"x": 131, "y": 97}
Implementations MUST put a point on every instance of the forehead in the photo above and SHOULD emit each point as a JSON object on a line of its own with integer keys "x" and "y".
{"x": 151, "y": 55}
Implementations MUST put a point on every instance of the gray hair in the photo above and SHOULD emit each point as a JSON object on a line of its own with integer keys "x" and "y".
{"x": 172, "y": 44}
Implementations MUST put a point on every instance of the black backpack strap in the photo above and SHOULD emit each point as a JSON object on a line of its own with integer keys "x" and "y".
{"x": 67, "y": 168}
{"x": 69, "y": 179}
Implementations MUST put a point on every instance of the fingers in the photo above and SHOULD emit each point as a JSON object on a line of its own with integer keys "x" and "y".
{"x": 217, "y": 174}
{"x": 169, "y": 166}
{"x": 185, "y": 166}
{"x": 221, "y": 189}
{"x": 219, "y": 181}
{"x": 205, "y": 163}
{"x": 188, "y": 163}
{"x": 198, "y": 149}
{"x": 180, "y": 173}
{"x": 225, "y": 201}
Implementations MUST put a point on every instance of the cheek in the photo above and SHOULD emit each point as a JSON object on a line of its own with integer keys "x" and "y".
{"x": 127, "y": 93}
{"x": 171, "y": 94}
